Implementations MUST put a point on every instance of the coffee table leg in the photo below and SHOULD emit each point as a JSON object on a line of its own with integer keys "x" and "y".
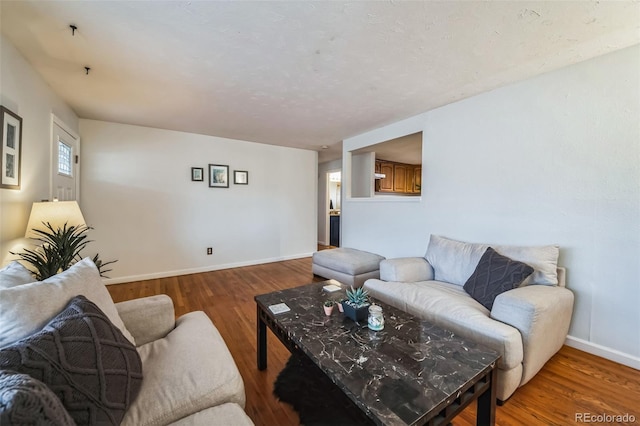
{"x": 487, "y": 403}
{"x": 262, "y": 342}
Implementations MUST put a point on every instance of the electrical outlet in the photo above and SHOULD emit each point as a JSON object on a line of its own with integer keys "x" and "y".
{"x": 209, "y": 250}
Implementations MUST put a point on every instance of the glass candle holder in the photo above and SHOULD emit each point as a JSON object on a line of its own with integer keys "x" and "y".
{"x": 376, "y": 319}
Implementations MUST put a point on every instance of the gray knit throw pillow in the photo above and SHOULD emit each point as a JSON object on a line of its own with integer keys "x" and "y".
{"x": 494, "y": 275}
{"x": 27, "y": 401}
{"x": 85, "y": 360}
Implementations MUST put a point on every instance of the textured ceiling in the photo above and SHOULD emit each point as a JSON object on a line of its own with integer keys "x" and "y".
{"x": 304, "y": 73}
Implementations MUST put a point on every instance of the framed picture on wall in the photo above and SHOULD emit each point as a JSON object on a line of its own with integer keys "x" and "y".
{"x": 218, "y": 176}
{"x": 197, "y": 174}
{"x": 240, "y": 177}
{"x": 11, "y": 158}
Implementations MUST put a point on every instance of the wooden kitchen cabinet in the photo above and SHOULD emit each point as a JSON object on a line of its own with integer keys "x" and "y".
{"x": 417, "y": 180}
{"x": 399, "y": 178}
{"x": 400, "y": 172}
{"x": 386, "y": 184}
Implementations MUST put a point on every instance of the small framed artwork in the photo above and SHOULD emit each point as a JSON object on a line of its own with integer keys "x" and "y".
{"x": 240, "y": 177}
{"x": 10, "y": 159}
{"x": 218, "y": 176}
{"x": 197, "y": 174}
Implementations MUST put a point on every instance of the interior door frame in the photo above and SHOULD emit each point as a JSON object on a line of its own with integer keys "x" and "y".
{"x": 327, "y": 197}
{"x": 55, "y": 120}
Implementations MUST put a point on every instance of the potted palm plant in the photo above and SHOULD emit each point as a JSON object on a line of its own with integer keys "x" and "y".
{"x": 357, "y": 304}
{"x": 58, "y": 250}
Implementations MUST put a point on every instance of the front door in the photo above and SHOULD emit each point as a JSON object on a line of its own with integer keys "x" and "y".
{"x": 65, "y": 179}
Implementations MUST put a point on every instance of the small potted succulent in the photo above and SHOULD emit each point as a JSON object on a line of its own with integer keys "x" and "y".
{"x": 357, "y": 304}
{"x": 339, "y": 303}
{"x": 328, "y": 307}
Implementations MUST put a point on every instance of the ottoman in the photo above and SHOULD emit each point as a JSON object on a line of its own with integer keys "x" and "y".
{"x": 349, "y": 266}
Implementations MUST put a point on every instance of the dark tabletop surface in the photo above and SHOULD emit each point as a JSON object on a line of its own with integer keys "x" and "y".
{"x": 398, "y": 374}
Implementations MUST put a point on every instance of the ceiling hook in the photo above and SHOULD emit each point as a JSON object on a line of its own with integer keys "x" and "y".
{"x": 73, "y": 29}
{"x": 87, "y": 69}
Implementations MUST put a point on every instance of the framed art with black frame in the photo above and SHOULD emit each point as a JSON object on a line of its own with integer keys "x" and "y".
{"x": 218, "y": 176}
{"x": 197, "y": 174}
{"x": 11, "y": 158}
{"x": 240, "y": 177}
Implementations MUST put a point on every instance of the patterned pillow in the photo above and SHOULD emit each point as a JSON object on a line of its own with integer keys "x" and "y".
{"x": 84, "y": 359}
{"x": 495, "y": 274}
{"x": 27, "y": 401}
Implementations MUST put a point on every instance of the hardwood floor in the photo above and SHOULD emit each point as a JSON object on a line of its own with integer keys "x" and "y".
{"x": 571, "y": 383}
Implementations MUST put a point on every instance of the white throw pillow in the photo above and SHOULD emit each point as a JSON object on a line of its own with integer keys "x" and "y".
{"x": 26, "y": 308}
{"x": 15, "y": 274}
{"x": 454, "y": 261}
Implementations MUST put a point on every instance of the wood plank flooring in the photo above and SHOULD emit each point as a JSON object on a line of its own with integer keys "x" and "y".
{"x": 572, "y": 382}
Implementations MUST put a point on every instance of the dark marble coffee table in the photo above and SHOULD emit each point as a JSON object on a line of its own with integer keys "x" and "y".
{"x": 412, "y": 372}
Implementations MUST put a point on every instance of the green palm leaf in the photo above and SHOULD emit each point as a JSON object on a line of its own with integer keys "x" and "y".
{"x": 58, "y": 250}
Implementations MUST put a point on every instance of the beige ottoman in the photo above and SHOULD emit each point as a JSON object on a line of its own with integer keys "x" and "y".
{"x": 349, "y": 266}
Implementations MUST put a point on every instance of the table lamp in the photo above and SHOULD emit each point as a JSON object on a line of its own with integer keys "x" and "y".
{"x": 57, "y": 213}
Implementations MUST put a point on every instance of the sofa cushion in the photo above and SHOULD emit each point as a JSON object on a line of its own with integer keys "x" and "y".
{"x": 187, "y": 371}
{"x": 148, "y": 318}
{"x": 543, "y": 260}
{"x": 84, "y": 359}
{"x": 26, "y": 308}
{"x": 494, "y": 275}
{"x": 450, "y": 307}
{"x": 406, "y": 269}
{"x": 224, "y": 415}
{"x": 454, "y": 261}
{"x": 15, "y": 274}
{"x": 27, "y": 401}
{"x": 348, "y": 260}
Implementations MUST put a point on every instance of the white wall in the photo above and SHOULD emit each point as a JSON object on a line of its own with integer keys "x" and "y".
{"x": 361, "y": 176}
{"x": 553, "y": 159}
{"x": 25, "y": 93}
{"x": 323, "y": 208}
{"x": 137, "y": 193}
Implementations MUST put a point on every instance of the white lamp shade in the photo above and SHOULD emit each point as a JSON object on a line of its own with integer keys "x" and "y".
{"x": 56, "y": 213}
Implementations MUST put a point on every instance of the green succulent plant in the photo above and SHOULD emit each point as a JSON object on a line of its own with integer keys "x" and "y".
{"x": 358, "y": 297}
{"x": 59, "y": 249}
{"x": 328, "y": 303}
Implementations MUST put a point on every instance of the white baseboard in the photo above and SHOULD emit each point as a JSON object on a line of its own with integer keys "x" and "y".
{"x": 322, "y": 243}
{"x": 604, "y": 352}
{"x": 209, "y": 268}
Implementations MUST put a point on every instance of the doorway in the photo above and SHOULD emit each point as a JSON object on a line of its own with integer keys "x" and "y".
{"x": 334, "y": 205}
{"x": 65, "y": 162}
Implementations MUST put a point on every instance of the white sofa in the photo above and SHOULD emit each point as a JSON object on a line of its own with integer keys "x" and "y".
{"x": 526, "y": 325}
{"x": 188, "y": 374}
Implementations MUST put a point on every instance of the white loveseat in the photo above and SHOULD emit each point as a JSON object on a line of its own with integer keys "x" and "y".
{"x": 526, "y": 325}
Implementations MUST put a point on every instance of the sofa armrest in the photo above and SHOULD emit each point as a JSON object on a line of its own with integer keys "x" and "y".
{"x": 406, "y": 269}
{"x": 542, "y": 314}
{"x": 148, "y": 318}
